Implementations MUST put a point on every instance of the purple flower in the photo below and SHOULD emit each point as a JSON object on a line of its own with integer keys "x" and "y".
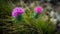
{"x": 17, "y": 11}
{"x": 38, "y": 9}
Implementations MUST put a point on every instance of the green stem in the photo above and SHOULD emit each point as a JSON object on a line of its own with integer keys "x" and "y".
{"x": 37, "y": 16}
{"x": 19, "y": 18}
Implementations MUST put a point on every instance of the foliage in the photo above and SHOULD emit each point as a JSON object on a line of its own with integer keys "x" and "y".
{"x": 29, "y": 24}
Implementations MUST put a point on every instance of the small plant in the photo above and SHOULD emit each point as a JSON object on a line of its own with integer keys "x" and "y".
{"x": 36, "y": 21}
{"x": 23, "y": 20}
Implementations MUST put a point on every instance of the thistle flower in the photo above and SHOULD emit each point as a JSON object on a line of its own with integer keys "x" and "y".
{"x": 17, "y": 11}
{"x": 38, "y": 9}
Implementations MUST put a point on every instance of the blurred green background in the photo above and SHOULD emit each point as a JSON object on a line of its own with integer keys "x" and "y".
{"x": 29, "y": 25}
